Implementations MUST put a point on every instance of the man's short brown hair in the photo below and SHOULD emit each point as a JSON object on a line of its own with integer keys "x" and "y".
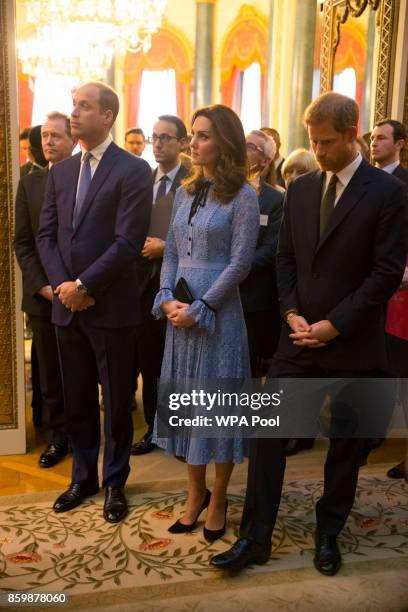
{"x": 55, "y": 115}
{"x": 340, "y": 110}
{"x": 399, "y": 131}
{"x": 108, "y": 98}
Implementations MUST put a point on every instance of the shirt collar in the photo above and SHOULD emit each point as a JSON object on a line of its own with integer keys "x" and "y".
{"x": 99, "y": 150}
{"x": 389, "y": 168}
{"x": 346, "y": 174}
{"x": 170, "y": 175}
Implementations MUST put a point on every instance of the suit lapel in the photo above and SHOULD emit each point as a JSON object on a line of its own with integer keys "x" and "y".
{"x": 72, "y": 180}
{"x": 37, "y": 195}
{"x": 352, "y": 194}
{"x": 101, "y": 174}
{"x": 312, "y": 207}
{"x": 182, "y": 172}
{"x": 261, "y": 200}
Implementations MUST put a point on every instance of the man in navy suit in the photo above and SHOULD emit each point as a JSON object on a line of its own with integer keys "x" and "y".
{"x": 341, "y": 256}
{"x": 93, "y": 225}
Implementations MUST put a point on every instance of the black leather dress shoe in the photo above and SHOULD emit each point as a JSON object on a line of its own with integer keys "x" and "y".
{"x": 144, "y": 446}
{"x": 295, "y": 445}
{"x": 75, "y": 495}
{"x": 327, "y": 558}
{"x": 115, "y": 508}
{"x": 53, "y": 454}
{"x": 244, "y": 552}
{"x": 396, "y": 472}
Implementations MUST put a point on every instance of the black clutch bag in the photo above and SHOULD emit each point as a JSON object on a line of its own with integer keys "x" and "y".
{"x": 182, "y": 292}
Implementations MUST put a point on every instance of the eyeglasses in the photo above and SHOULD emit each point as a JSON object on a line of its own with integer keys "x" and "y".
{"x": 251, "y": 147}
{"x": 163, "y": 138}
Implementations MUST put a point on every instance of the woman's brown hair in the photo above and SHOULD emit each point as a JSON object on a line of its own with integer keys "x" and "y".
{"x": 231, "y": 170}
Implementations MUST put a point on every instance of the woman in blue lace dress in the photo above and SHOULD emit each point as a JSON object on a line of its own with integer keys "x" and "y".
{"x": 211, "y": 244}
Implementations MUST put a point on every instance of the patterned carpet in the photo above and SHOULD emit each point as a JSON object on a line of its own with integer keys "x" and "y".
{"x": 139, "y": 563}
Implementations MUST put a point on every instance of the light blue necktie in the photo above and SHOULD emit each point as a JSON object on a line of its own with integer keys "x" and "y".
{"x": 85, "y": 179}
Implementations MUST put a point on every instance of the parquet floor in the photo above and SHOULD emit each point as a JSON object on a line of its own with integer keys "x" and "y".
{"x": 21, "y": 474}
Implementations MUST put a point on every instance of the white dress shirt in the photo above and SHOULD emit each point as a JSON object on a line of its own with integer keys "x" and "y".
{"x": 170, "y": 179}
{"x": 344, "y": 176}
{"x": 391, "y": 167}
{"x": 97, "y": 153}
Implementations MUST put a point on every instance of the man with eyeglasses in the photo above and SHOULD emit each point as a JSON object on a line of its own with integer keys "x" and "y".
{"x": 259, "y": 293}
{"x": 168, "y": 139}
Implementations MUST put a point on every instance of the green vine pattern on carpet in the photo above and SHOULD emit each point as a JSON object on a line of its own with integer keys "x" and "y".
{"x": 78, "y": 550}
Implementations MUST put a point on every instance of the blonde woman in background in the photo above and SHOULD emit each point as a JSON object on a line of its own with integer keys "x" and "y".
{"x": 298, "y": 162}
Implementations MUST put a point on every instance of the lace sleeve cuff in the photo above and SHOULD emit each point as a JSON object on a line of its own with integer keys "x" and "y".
{"x": 164, "y": 295}
{"x": 203, "y": 314}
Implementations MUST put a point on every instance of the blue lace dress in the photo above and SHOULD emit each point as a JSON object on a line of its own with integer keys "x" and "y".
{"x": 213, "y": 253}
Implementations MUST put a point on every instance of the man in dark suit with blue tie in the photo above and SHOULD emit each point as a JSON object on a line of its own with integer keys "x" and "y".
{"x": 93, "y": 225}
{"x": 168, "y": 138}
{"x": 341, "y": 256}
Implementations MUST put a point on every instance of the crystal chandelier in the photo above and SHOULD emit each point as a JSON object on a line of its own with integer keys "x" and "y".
{"x": 79, "y": 37}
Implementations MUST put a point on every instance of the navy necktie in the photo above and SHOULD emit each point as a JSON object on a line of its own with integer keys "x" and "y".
{"x": 161, "y": 192}
{"x": 84, "y": 182}
{"x": 327, "y": 205}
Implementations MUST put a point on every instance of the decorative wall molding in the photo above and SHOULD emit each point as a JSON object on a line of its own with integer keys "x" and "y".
{"x": 404, "y": 157}
{"x": 8, "y": 359}
{"x": 336, "y": 13}
{"x": 245, "y": 41}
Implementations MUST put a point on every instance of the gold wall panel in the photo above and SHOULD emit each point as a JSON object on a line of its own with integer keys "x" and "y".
{"x": 335, "y": 13}
{"x": 8, "y": 383}
{"x": 404, "y": 157}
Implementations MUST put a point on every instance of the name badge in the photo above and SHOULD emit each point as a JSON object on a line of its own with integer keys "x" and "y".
{"x": 263, "y": 220}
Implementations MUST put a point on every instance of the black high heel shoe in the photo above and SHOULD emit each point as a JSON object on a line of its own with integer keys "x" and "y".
{"x": 214, "y": 534}
{"x": 178, "y": 527}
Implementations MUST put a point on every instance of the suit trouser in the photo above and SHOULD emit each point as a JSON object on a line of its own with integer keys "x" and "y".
{"x": 263, "y": 329}
{"x": 89, "y": 355}
{"x": 53, "y": 418}
{"x": 267, "y": 462}
{"x": 150, "y": 348}
{"x": 36, "y": 399}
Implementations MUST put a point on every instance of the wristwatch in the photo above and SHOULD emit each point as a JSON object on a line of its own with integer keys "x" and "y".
{"x": 80, "y": 287}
